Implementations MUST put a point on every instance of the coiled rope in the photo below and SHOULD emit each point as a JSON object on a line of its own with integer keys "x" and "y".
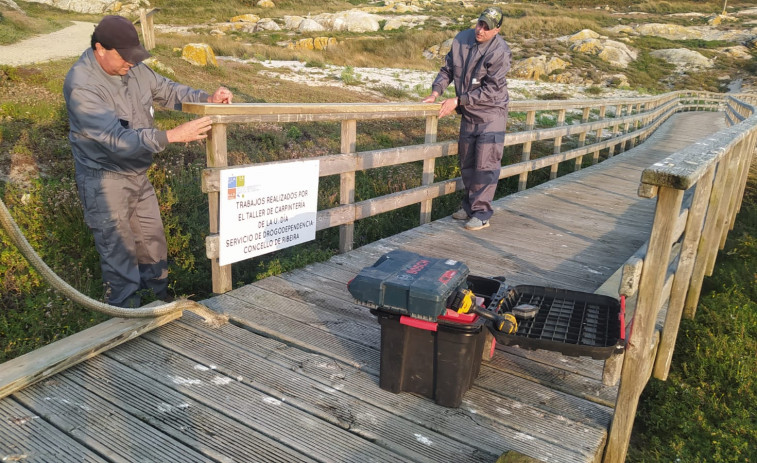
{"x": 18, "y": 238}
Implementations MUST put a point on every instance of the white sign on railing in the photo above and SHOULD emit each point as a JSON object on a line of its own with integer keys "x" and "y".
{"x": 265, "y": 208}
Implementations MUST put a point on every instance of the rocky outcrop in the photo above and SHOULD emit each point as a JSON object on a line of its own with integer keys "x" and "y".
{"x": 739, "y": 52}
{"x": 438, "y": 51}
{"x": 318, "y": 43}
{"x": 97, "y": 6}
{"x": 309, "y": 25}
{"x": 11, "y": 4}
{"x": 683, "y": 58}
{"x": 267, "y": 24}
{"x": 536, "y": 67}
{"x": 676, "y": 32}
{"x": 199, "y": 54}
{"x": 590, "y": 42}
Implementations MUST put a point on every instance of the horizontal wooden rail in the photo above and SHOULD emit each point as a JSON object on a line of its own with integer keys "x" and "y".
{"x": 632, "y": 121}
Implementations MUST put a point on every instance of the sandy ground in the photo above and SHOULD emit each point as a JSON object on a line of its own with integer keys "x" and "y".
{"x": 73, "y": 40}
{"x": 65, "y": 43}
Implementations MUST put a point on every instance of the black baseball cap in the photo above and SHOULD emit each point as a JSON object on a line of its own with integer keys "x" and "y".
{"x": 492, "y": 16}
{"x": 119, "y": 33}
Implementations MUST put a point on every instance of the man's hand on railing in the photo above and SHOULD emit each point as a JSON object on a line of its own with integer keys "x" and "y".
{"x": 222, "y": 95}
{"x": 448, "y": 105}
{"x": 190, "y": 131}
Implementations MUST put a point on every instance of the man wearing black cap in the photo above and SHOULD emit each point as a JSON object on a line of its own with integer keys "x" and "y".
{"x": 109, "y": 97}
{"x": 477, "y": 64}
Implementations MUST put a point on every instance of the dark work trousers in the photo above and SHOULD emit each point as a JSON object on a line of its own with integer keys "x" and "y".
{"x": 123, "y": 213}
{"x": 480, "y": 150}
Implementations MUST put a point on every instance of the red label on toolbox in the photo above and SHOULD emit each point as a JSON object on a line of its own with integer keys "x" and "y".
{"x": 418, "y": 266}
{"x": 447, "y": 276}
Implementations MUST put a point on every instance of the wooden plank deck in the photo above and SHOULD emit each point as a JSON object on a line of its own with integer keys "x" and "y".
{"x": 294, "y": 377}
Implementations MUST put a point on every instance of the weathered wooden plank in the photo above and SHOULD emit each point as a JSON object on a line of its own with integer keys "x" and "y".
{"x": 46, "y": 361}
{"x": 477, "y": 403}
{"x": 25, "y": 436}
{"x": 276, "y": 400}
{"x": 186, "y": 420}
{"x": 262, "y": 317}
{"x": 556, "y": 378}
{"x": 101, "y": 426}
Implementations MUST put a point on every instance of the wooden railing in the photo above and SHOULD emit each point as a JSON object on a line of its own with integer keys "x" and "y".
{"x": 616, "y": 124}
{"x": 666, "y": 276}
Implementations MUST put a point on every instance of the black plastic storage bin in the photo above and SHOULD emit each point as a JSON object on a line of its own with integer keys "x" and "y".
{"x": 438, "y": 360}
{"x": 571, "y": 322}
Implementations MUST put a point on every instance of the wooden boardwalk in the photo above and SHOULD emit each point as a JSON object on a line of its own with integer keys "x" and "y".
{"x": 294, "y": 377}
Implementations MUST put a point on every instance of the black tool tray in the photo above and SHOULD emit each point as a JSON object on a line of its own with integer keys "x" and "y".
{"x": 571, "y": 322}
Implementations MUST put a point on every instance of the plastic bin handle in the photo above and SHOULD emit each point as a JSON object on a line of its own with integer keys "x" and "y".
{"x": 420, "y": 324}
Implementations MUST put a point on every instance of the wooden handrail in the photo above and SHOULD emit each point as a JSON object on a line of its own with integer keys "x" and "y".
{"x": 717, "y": 169}
{"x": 637, "y": 124}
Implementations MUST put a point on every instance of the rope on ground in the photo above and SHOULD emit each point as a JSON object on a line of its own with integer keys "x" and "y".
{"x": 212, "y": 318}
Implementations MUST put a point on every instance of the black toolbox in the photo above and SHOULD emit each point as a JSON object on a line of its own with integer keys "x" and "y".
{"x": 571, "y": 322}
{"x": 438, "y": 360}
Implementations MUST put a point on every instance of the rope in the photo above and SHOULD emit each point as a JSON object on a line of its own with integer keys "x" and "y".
{"x": 212, "y": 318}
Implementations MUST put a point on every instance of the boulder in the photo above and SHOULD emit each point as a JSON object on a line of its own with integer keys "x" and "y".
{"x": 438, "y": 51}
{"x": 246, "y": 18}
{"x": 309, "y": 25}
{"x": 738, "y": 52}
{"x": 318, "y": 43}
{"x": 669, "y": 31}
{"x": 617, "y": 54}
{"x": 266, "y": 4}
{"x": 683, "y": 58}
{"x": 267, "y": 24}
{"x": 396, "y": 22}
{"x": 356, "y": 21}
{"x": 322, "y": 43}
{"x": 292, "y": 22}
{"x": 199, "y": 54}
{"x": 12, "y": 5}
{"x": 583, "y": 35}
{"x": 613, "y": 52}
{"x": 535, "y": 68}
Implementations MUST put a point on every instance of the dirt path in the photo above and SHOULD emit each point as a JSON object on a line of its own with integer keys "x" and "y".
{"x": 65, "y": 43}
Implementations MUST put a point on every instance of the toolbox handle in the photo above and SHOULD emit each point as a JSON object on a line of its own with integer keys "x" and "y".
{"x": 420, "y": 324}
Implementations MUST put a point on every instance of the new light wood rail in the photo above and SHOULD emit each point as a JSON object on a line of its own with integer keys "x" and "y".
{"x": 596, "y": 131}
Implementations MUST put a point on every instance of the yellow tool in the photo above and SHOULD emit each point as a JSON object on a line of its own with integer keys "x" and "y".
{"x": 464, "y": 301}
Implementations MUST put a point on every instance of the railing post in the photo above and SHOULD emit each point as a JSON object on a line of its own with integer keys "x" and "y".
{"x": 148, "y": 29}
{"x": 216, "y": 154}
{"x": 558, "y": 143}
{"x": 707, "y": 243}
{"x": 616, "y": 128}
{"x": 432, "y": 123}
{"x": 602, "y": 112}
{"x": 682, "y": 278}
{"x": 582, "y": 136}
{"x": 639, "y": 355}
{"x": 347, "y": 184}
{"x": 526, "y": 154}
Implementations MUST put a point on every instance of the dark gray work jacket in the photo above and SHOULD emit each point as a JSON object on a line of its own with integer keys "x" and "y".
{"x": 479, "y": 74}
{"x": 111, "y": 117}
